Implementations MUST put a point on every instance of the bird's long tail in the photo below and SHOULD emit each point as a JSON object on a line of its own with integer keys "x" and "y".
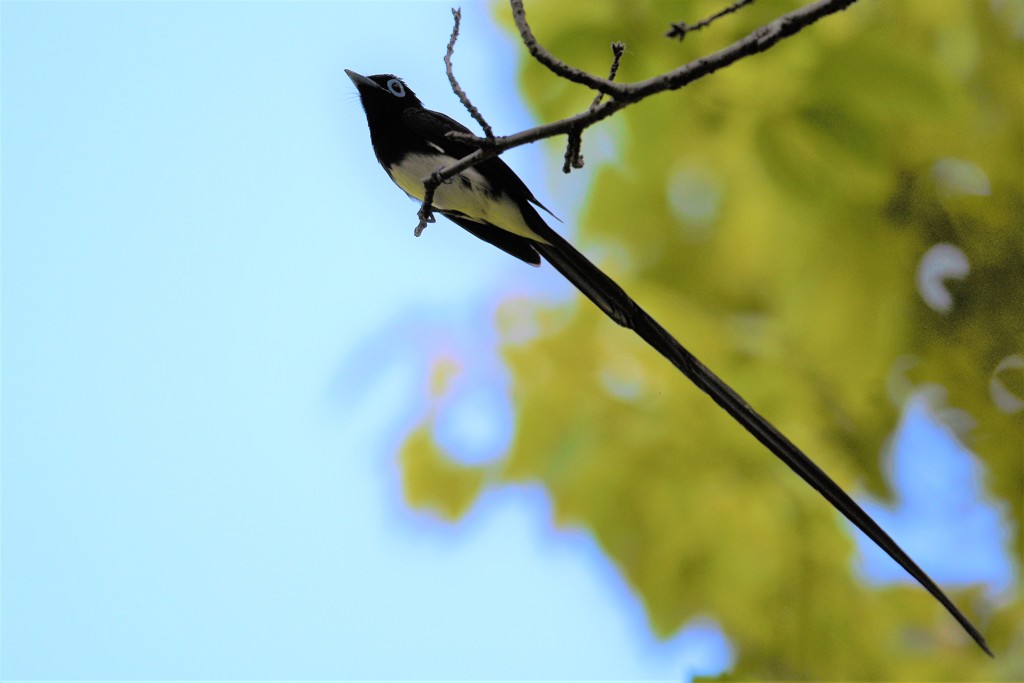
{"x": 621, "y": 308}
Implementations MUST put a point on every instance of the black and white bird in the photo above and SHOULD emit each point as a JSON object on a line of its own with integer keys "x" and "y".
{"x": 491, "y": 202}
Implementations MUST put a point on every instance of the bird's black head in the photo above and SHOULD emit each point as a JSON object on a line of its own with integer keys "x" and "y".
{"x": 383, "y": 93}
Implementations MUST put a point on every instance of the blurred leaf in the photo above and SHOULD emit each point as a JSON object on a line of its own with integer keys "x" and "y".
{"x": 774, "y": 216}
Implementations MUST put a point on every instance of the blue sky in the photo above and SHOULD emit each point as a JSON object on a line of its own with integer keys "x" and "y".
{"x": 216, "y": 324}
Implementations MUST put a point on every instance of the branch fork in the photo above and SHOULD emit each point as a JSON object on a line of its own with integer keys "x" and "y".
{"x": 619, "y": 95}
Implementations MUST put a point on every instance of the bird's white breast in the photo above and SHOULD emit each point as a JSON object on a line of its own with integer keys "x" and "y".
{"x": 468, "y": 193}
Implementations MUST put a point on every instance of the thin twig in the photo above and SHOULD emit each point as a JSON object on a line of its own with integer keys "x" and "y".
{"x": 618, "y": 47}
{"x": 430, "y": 185}
{"x": 473, "y": 111}
{"x": 680, "y": 29}
{"x": 426, "y": 212}
{"x": 573, "y": 157}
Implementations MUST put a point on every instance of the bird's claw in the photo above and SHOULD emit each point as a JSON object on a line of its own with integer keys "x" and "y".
{"x": 426, "y": 217}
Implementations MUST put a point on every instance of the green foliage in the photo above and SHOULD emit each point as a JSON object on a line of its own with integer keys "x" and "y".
{"x": 774, "y": 216}
{"x": 430, "y": 480}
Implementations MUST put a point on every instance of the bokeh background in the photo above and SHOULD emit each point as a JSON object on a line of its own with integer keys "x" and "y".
{"x": 253, "y": 429}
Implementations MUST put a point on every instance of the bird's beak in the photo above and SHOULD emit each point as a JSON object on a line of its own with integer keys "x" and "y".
{"x": 361, "y": 81}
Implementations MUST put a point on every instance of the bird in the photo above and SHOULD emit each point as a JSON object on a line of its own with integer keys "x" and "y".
{"x": 492, "y": 203}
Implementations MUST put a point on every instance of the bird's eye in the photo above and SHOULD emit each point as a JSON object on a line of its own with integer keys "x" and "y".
{"x": 396, "y": 87}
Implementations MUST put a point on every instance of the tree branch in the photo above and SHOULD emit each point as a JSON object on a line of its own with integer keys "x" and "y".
{"x": 622, "y": 94}
{"x": 758, "y": 41}
{"x": 559, "y": 67}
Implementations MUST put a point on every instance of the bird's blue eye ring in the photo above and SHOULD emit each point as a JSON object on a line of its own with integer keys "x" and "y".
{"x": 396, "y": 87}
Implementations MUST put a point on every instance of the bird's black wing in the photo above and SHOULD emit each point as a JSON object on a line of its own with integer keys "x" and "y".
{"x": 621, "y": 308}
{"x": 522, "y": 248}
